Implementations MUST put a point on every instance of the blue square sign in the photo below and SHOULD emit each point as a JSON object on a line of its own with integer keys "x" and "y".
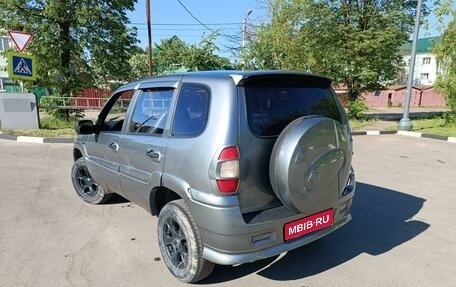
{"x": 21, "y": 66}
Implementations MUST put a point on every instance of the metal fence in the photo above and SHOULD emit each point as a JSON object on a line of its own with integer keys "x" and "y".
{"x": 77, "y": 103}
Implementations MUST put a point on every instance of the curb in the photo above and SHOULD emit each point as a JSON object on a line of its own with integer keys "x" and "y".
{"x": 26, "y": 139}
{"x": 405, "y": 133}
{"x": 372, "y": 133}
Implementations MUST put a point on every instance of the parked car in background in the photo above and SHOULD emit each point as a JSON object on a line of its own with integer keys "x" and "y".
{"x": 238, "y": 166}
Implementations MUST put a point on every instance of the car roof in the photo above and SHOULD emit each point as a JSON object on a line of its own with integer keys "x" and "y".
{"x": 238, "y": 76}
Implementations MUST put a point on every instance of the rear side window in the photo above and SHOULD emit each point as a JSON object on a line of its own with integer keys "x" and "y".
{"x": 151, "y": 111}
{"x": 191, "y": 111}
{"x": 270, "y": 108}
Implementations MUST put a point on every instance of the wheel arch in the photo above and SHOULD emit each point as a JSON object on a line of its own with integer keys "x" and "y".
{"x": 77, "y": 154}
{"x": 159, "y": 197}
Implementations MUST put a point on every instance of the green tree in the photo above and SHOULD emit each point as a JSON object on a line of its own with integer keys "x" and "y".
{"x": 169, "y": 55}
{"x": 274, "y": 44}
{"x": 445, "y": 52}
{"x": 76, "y": 43}
{"x": 354, "y": 42}
{"x": 203, "y": 57}
{"x": 139, "y": 64}
{"x": 173, "y": 54}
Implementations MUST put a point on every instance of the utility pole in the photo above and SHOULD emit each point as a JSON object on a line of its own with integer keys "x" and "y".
{"x": 244, "y": 36}
{"x": 149, "y": 36}
{"x": 405, "y": 124}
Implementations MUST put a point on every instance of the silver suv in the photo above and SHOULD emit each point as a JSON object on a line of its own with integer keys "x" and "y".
{"x": 238, "y": 166}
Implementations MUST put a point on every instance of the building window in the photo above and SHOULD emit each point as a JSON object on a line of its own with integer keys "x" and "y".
{"x": 426, "y": 60}
{"x": 424, "y": 76}
{"x": 3, "y": 43}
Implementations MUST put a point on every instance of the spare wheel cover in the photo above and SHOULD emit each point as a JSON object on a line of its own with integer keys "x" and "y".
{"x": 310, "y": 164}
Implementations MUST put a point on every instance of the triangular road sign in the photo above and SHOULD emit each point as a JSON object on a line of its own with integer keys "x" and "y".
{"x": 20, "y": 39}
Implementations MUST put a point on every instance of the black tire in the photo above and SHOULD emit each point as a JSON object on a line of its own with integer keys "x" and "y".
{"x": 180, "y": 243}
{"x": 85, "y": 187}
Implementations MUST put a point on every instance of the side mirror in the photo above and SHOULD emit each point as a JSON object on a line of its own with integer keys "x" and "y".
{"x": 84, "y": 127}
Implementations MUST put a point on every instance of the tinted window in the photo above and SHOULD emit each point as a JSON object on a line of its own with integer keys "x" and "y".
{"x": 151, "y": 111}
{"x": 115, "y": 111}
{"x": 191, "y": 111}
{"x": 271, "y": 108}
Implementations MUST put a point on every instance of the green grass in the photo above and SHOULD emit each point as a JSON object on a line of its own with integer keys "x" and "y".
{"x": 361, "y": 124}
{"x": 434, "y": 126}
{"x": 49, "y": 123}
{"x": 60, "y": 133}
{"x": 50, "y": 128}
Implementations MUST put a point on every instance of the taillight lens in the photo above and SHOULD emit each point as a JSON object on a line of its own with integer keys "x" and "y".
{"x": 227, "y": 185}
{"x": 228, "y": 171}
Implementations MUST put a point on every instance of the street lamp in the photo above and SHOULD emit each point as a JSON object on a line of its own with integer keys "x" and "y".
{"x": 244, "y": 36}
{"x": 405, "y": 124}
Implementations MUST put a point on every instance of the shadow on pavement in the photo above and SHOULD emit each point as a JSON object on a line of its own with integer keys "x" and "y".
{"x": 116, "y": 199}
{"x": 381, "y": 222}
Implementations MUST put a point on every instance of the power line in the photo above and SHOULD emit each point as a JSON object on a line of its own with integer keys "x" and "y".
{"x": 205, "y": 25}
{"x": 184, "y": 24}
{"x": 224, "y": 26}
{"x": 180, "y": 35}
{"x": 218, "y": 26}
{"x": 178, "y": 29}
{"x": 193, "y": 16}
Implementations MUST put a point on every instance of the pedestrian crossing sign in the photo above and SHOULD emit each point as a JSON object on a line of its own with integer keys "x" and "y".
{"x": 21, "y": 66}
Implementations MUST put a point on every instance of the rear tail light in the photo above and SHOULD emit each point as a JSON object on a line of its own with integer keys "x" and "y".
{"x": 351, "y": 183}
{"x": 228, "y": 170}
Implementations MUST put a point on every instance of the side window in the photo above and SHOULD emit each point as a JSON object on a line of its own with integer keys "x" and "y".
{"x": 116, "y": 109}
{"x": 151, "y": 111}
{"x": 191, "y": 111}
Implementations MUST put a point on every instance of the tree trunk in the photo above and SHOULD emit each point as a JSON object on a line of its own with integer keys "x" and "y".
{"x": 65, "y": 62}
{"x": 65, "y": 57}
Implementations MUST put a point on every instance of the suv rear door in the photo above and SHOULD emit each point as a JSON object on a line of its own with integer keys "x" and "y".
{"x": 271, "y": 103}
{"x": 143, "y": 146}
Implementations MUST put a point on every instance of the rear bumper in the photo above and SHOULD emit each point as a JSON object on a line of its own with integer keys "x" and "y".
{"x": 228, "y": 240}
{"x": 223, "y": 258}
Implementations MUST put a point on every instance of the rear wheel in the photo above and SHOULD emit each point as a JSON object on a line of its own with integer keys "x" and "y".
{"x": 85, "y": 186}
{"x": 180, "y": 243}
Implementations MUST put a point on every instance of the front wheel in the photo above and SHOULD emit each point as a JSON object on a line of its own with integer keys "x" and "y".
{"x": 180, "y": 243}
{"x": 85, "y": 186}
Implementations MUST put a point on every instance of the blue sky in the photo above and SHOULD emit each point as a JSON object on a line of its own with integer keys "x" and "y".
{"x": 223, "y": 15}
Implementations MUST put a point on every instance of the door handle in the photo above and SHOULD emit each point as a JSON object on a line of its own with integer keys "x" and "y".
{"x": 114, "y": 146}
{"x": 153, "y": 154}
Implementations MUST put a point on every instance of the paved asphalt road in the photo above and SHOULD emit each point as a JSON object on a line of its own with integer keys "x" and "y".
{"x": 403, "y": 232}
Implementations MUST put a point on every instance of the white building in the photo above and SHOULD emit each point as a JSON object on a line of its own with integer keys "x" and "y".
{"x": 4, "y": 44}
{"x": 426, "y": 68}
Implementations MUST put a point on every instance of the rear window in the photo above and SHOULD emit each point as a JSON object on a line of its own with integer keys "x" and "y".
{"x": 270, "y": 108}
